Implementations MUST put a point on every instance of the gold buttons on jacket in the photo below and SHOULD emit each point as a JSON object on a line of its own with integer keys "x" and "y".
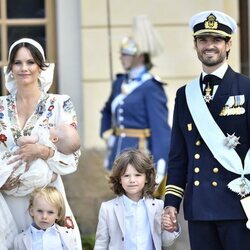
{"x": 214, "y": 183}
{"x": 196, "y": 183}
{"x": 215, "y": 170}
{"x": 197, "y": 156}
{"x": 198, "y": 143}
{"x": 197, "y": 170}
{"x": 189, "y": 126}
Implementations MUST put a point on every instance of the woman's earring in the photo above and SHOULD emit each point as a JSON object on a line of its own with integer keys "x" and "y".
{"x": 11, "y": 75}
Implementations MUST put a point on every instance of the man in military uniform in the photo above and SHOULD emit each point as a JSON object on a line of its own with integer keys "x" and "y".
{"x": 209, "y": 160}
{"x": 136, "y": 109}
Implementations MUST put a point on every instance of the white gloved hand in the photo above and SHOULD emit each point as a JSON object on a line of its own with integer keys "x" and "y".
{"x": 160, "y": 170}
{"x": 245, "y": 202}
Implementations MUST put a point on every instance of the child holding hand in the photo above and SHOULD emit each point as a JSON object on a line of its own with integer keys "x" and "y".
{"x": 133, "y": 220}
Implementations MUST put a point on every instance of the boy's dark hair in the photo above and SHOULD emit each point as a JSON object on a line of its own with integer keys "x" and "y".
{"x": 142, "y": 162}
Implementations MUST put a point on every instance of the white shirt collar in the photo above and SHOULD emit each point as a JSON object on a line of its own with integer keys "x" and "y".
{"x": 135, "y": 72}
{"x": 128, "y": 202}
{"x": 220, "y": 72}
{"x": 36, "y": 230}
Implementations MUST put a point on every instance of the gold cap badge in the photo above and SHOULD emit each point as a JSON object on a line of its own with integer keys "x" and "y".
{"x": 211, "y": 22}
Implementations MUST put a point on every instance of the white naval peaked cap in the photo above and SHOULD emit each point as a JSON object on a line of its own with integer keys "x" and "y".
{"x": 212, "y": 22}
{"x": 144, "y": 39}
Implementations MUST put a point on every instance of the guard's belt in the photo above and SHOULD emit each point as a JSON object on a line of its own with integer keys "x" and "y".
{"x": 142, "y": 134}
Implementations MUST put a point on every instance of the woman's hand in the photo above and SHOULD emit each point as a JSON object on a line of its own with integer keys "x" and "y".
{"x": 28, "y": 153}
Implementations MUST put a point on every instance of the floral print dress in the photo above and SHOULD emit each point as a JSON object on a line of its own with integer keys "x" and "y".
{"x": 50, "y": 111}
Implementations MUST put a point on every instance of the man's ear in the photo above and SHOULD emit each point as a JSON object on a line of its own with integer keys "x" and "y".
{"x": 195, "y": 43}
{"x": 229, "y": 45}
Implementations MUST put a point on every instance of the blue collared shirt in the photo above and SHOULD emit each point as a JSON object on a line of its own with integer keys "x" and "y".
{"x": 138, "y": 234}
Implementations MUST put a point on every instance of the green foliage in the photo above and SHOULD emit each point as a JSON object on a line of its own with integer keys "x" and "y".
{"x": 88, "y": 242}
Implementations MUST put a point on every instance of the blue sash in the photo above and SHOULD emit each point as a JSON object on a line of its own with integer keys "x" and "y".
{"x": 215, "y": 139}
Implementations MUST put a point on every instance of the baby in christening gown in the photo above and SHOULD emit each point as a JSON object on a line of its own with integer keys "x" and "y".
{"x": 66, "y": 140}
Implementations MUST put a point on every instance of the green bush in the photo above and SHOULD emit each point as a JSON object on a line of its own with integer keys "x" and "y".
{"x": 88, "y": 242}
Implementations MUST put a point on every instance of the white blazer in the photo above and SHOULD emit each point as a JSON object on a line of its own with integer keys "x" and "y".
{"x": 23, "y": 241}
{"x": 110, "y": 232}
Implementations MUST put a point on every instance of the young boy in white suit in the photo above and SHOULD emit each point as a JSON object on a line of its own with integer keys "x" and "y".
{"x": 133, "y": 219}
{"x": 47, "y": 231}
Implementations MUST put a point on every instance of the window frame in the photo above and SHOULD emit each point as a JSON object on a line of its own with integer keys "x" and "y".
{"x": 49, "y": 23}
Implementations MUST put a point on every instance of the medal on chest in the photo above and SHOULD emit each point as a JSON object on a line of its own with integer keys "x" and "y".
{"x": 208, "y": 94}
{"x": 231, "y": 141}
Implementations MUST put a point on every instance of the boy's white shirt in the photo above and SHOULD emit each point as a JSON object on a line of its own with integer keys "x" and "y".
{"x": 23, "y": 241}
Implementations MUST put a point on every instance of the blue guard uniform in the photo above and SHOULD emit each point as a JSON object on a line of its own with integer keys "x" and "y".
{"x": 137, "y": 112}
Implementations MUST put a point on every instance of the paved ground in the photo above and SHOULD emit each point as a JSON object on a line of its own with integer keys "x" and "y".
{"x": 88, "y": 187}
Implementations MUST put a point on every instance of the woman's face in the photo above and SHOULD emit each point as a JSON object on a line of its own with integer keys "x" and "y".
{"x": 25, "y": 70}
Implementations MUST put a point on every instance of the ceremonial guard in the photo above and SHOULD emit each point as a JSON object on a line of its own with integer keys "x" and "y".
{"x": 209, "y": 160}
{"x": 136, "y": 111}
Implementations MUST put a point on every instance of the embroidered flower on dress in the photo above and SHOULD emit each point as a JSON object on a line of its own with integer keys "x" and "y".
{"x": 3, "y": 126}
{"x": 3, "y": 139}
{"x": 51, "y": 107}
{"x": 68, "y": 105}
{"x": 40, "y": 108}
{"x": 16, "y": 133}
{"x": 11, "y": 106}
{"x": 74, "y": 125}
